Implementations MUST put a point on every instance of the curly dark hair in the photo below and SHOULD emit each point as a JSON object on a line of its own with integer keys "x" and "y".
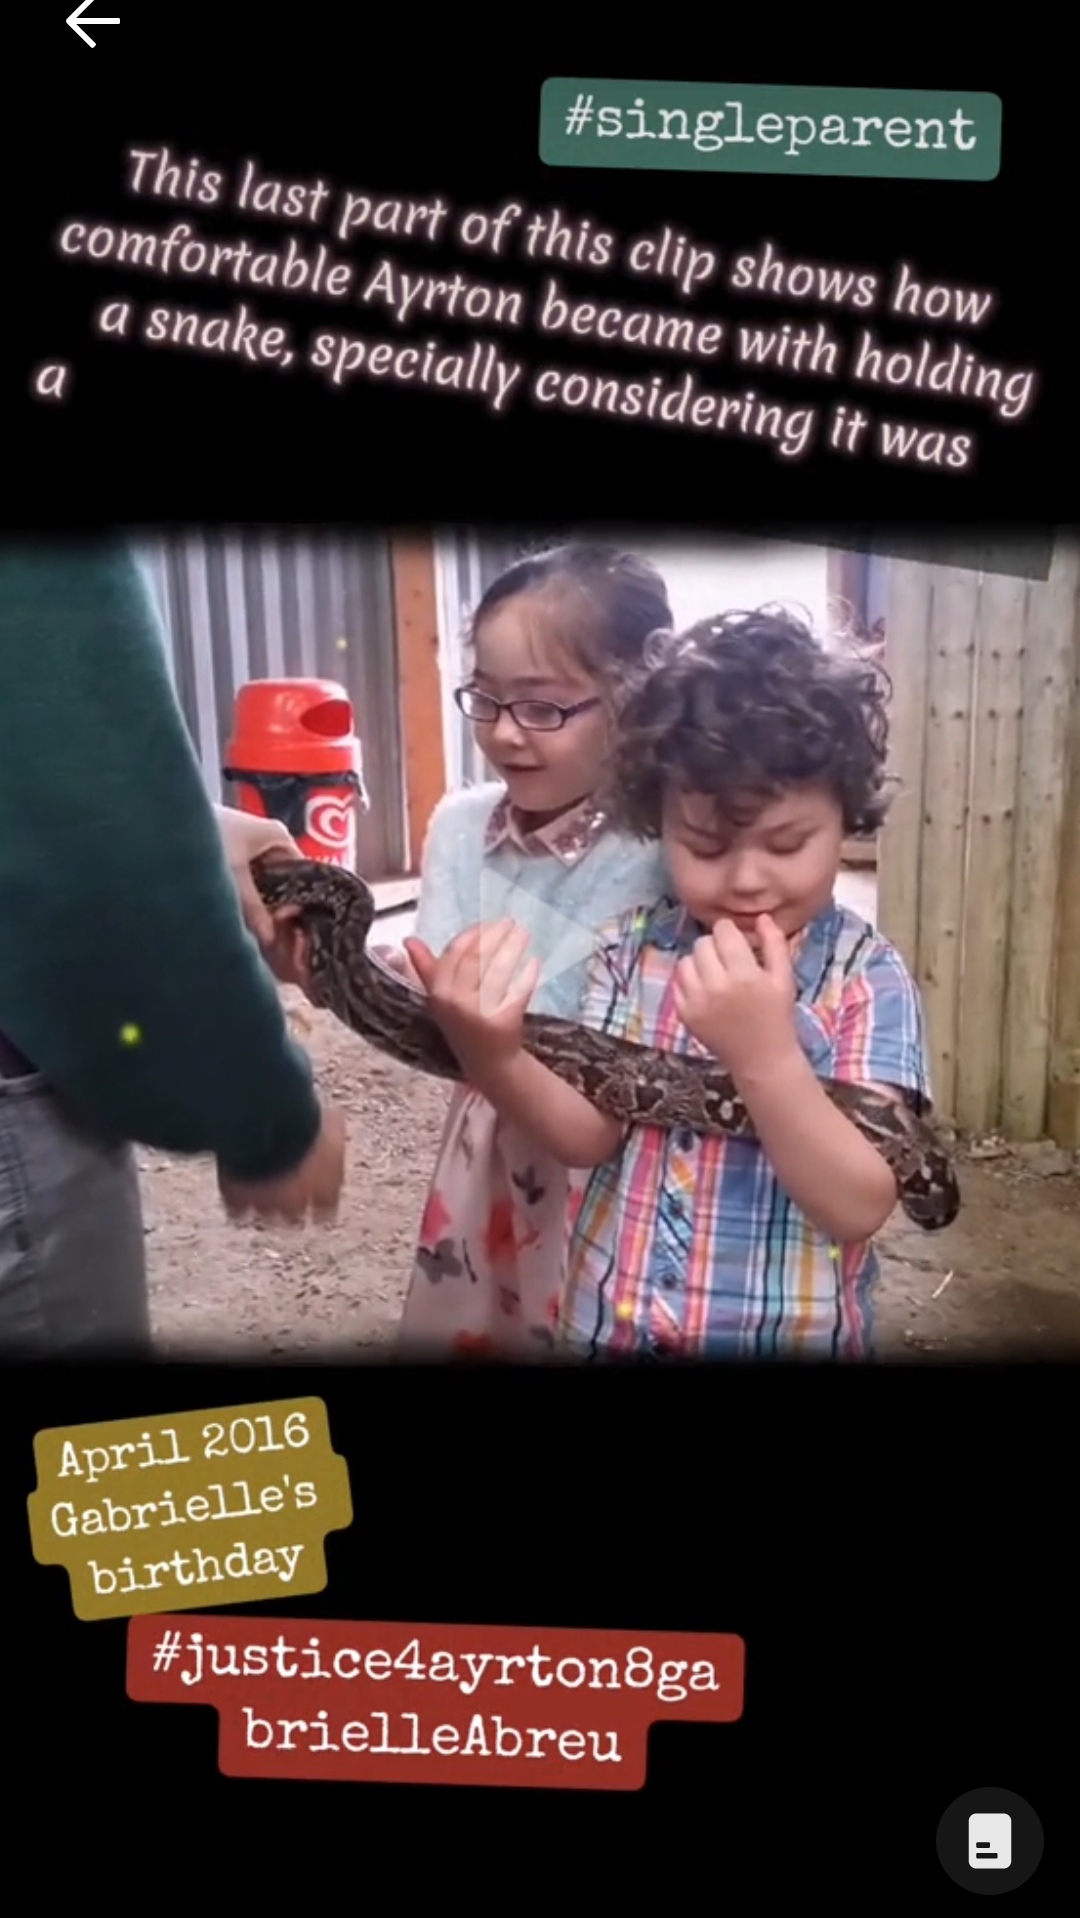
{"x": 741, "y": 708}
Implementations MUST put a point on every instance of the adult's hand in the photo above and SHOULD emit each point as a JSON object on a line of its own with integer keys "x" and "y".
{"x": 246, "y": 838}
{"x": 312, "y": 1190}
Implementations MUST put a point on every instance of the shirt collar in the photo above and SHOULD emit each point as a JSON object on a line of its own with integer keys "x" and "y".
{"x": 568, "y": 838}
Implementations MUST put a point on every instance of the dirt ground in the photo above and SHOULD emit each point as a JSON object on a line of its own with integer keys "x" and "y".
{"x": 1003, "y": 1282}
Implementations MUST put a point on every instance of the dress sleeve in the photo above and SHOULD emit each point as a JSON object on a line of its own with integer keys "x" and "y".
{"x": 880, "y": 1035}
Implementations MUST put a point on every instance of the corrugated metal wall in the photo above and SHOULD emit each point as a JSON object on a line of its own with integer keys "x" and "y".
{"x": 253, "y": 606}
{"x": 465, "y": 565}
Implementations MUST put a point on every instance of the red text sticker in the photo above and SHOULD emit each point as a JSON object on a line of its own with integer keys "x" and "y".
{"x": 435, "y": 1704}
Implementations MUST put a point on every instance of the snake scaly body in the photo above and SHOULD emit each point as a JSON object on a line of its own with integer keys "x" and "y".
{"x": 632, "y": 1083}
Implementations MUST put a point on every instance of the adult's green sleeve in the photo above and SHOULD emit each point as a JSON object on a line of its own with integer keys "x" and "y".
{"x": 126, "y": 973}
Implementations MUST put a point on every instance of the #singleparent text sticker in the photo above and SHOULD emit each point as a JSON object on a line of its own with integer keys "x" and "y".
{"x": 225, "y": 1507}
{"x": 435, "y": 1704}
{"x": 702, "y": 127}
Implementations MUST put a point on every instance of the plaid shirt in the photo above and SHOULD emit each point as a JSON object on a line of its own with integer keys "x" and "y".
{"x": 683, "y": 1245}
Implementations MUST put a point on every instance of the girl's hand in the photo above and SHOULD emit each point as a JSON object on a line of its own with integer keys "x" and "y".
{"x": 396, "y": 960}
{"x": 742, "y": 1011}
{"x": 479, "y": 990}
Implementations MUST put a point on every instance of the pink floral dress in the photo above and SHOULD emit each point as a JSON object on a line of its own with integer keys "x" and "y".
{"x": 489, "y": 1264}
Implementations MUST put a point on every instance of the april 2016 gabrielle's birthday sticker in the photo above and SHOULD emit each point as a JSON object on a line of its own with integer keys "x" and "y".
{"x": 174, "y": 1513}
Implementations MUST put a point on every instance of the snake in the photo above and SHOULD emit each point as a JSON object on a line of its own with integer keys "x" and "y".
{"x": 637, "y": 1085}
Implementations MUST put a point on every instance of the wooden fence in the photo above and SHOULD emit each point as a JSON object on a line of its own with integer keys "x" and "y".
{"x": 979, "y": 865}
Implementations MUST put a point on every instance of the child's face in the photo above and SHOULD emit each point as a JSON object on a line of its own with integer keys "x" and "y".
{"x": 783, "y": 864}
{"x": 517, "y": 658}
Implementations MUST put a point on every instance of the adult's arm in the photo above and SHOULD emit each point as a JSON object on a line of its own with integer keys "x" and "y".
{"x": 126, "y": 974}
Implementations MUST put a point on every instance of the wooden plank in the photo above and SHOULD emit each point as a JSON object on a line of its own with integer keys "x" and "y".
{"x": 906, "y": 662}
{"x": 987, "y": 908}
{"x": 1049, "y": 672}
{"x": 1063, "y": 1100}
{"x": 421, "y": 692}
{"x": 953, "y": 615}
{"x": 395, "y": 895}
{"x": 844, "y": 590}
{"x": 860, "y": 852}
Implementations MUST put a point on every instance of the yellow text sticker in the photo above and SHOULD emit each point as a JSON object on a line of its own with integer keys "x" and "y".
{"x": 190, "y": 1510}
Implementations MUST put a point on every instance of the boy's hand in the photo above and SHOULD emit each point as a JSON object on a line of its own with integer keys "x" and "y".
{"x": 479, "y": 989}
{"x": 743, "y": 1011}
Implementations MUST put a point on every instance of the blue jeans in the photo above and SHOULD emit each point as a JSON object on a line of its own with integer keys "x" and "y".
{"x": 72, "y": 1255}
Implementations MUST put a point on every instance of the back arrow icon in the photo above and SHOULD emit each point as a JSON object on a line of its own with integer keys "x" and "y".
{"x": 92, "y": 20}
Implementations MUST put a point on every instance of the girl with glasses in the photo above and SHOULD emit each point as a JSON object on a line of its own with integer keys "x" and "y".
{"x": 553, "y": 642}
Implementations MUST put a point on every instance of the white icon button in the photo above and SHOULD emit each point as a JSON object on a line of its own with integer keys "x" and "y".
{"x": 989, "y": 1841}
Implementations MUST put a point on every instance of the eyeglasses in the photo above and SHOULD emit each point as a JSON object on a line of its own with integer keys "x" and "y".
{"x": 532, "y": 715}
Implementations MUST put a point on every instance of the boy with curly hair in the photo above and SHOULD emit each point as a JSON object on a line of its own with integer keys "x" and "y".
{"x": 750, "y": 755}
